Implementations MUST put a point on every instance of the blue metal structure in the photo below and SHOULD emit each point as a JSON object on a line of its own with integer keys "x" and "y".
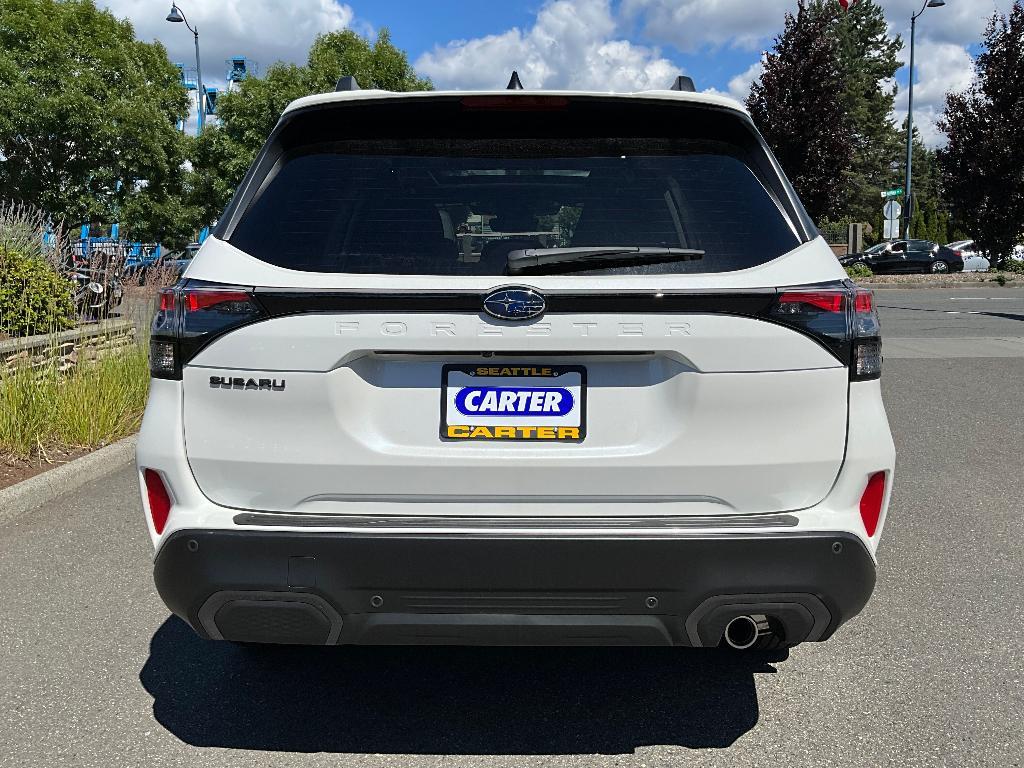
{"x": 238, "y": 69}
{"x": 187, "y": 78}
{"x": 211, "y": 100}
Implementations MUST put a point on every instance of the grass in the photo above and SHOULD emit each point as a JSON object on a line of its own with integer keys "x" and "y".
{"x": 93, "y": 404}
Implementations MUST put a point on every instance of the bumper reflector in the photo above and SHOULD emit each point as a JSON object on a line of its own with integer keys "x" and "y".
{"x": 871, "y": 502}
{"x": 159, "y": 500}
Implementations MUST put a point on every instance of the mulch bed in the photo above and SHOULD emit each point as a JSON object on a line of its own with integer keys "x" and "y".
{"x": 958, "y": 279}
{"x": 14, "y": 469}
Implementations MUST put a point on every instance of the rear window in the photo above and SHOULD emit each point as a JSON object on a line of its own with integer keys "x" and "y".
{"x": 460, "y": 205}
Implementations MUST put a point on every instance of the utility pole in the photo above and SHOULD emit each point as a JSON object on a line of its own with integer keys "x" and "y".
{"x": 909, "y": 207}
{"x": 178, "y": 17}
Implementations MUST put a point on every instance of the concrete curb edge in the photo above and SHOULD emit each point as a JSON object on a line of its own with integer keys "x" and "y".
{"x": 45, "y": 487}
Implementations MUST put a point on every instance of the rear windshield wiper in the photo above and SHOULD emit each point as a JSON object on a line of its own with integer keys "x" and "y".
{"x": 570, "y": 259}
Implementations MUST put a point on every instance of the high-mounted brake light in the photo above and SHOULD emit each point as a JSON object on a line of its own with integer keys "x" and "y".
{"x": 159, "y": 500}
{"x": 871, "y": 502}
{"x": 515, "y": 103}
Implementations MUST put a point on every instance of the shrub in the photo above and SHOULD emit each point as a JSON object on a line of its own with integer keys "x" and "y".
{"x": 856, "y": 271}
{"x": 34, "y": 298}
{"x": 1014, "y": 265}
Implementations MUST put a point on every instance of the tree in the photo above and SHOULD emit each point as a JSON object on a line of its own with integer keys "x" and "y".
{"x": 932, "y": 219}
{"x": 983, "y": 162}
{"x": 798, "y": 105}
{"x": 867, "y": 60}
{"x": 223, "y": 153}
{"x": 87, "y": 114}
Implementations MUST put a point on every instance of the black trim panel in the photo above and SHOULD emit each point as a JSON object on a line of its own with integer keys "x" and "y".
{"x": 279, "y": 303}
{"x": 450, "y": 580}
{"x": 754, "y": 303}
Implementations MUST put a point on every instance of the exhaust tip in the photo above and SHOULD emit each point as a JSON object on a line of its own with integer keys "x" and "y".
{"x": 744, "y": 632}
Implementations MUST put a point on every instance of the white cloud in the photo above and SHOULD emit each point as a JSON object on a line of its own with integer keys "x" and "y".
{"x": 938, "y": 69}
{"x": 739, "y": 86}
{"x": 943, "y": 37}
{"x": 264, "y": 31}
{"x": 942, "y": 60}
{"x": 959, "y": 21}
{"x": 572, "y": 44}
{"x": 692, "y": 25}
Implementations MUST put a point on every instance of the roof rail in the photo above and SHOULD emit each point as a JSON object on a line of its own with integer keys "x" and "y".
{"x": 347, "y": 83}
{"x": 514, "y": 84}
{"x": 684, "y": 83}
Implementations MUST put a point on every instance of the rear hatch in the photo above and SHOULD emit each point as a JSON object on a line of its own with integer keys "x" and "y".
{"x": 486, "y": 306}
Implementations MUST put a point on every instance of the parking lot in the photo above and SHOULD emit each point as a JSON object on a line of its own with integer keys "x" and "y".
{"x": 93, "y": 671}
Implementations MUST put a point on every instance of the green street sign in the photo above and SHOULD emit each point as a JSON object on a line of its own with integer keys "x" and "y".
{"x": 893, "y": 193}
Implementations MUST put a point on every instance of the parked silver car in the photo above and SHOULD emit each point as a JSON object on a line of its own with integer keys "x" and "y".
{"x": 974, "y": 260}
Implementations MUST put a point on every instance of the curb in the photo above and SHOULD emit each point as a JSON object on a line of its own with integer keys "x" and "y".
{"x": 45, "y": 487}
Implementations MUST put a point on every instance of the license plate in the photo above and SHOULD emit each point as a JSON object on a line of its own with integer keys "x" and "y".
{"x": 505, "y": 402}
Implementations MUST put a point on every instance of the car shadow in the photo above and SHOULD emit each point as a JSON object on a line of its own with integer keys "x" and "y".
{"x": 1003, "y": 315}
{"x": 440, "y": 700}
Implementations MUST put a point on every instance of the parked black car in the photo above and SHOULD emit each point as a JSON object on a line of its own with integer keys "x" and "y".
{"x": 907, "y": 256}
{"x": 179, "y": 260}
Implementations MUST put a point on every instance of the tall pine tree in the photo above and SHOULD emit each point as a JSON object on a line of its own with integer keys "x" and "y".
{"x": 983, "y": 163}
{"x": 798, "y": 105}
{"x": 867, "y": 60}
{"x": 864, "y": 58}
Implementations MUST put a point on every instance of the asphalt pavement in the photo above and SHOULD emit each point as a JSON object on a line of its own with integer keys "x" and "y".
{"x": 94, "y": 672}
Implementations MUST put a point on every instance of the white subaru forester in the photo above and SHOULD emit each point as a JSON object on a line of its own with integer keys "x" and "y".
{"x": 515, "y": 367}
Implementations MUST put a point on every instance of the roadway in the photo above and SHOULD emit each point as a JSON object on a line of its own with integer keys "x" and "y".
{"x": 93, "y": 671}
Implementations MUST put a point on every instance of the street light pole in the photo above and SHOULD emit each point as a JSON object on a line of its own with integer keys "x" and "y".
{"x": 909, "y": 207}
{"x": 177, "y": 16}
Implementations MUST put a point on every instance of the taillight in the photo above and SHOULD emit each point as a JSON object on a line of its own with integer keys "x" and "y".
{"x": 159, "y": 500}
{"x": 871, "y": 502}
{"x": 818, "y": 313}
{"x": 866, "y": 360}
{"x": 843, "y": 319}
{"x": 191, "y": 315}
{"x": 224, "y": 301}
{"x": 792, "y": 302}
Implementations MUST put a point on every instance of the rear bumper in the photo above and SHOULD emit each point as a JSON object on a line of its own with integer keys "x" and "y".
{"x": 463, "y": 589}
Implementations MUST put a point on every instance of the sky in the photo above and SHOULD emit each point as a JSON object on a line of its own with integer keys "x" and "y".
{"x": 618, "y": 45}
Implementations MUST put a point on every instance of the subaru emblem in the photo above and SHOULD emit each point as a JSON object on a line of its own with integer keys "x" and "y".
{"x": 514, "y": 303}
